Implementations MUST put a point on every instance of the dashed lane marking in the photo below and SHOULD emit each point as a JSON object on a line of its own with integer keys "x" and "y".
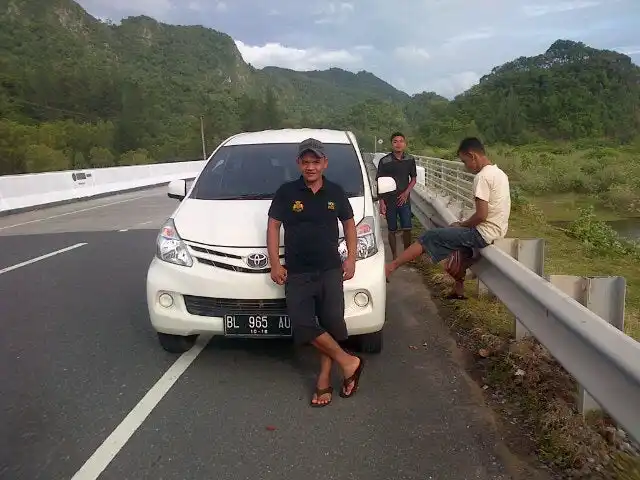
{"x": 75, "y": 211}
{"x": 42, "y": 257}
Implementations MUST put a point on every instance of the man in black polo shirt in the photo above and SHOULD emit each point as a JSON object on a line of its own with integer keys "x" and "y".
{"x": 309, "y": 209}
{"x": 402, "y": 168}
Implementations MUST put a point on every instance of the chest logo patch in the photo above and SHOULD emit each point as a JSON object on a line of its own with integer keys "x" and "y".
{"x": 297, "y": 206}
{"x": 331, "y": 205}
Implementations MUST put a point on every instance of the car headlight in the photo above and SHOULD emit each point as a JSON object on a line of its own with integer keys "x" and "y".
{"x": 170, "y": 247}
{"x": 366, "y": 245}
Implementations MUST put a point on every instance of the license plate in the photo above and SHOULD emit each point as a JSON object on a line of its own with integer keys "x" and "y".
{"x": 257, "y": 325}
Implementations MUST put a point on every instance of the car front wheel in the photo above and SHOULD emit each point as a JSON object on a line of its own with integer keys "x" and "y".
{"x": 176, "y": 343}
{"x": 370, "y": 342}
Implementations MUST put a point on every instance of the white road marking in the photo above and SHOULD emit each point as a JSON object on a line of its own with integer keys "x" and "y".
{"x": 76, "y": 211}
{"x": 42, "y": 257}
{"x": 136, "y": 225}
{"x": 106, "y": 452}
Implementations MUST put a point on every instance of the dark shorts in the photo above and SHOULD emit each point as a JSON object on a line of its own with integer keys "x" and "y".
{"x": 315, "y": 305}
{"x": 438, "y": 243}
{"x": 394, "y": 211}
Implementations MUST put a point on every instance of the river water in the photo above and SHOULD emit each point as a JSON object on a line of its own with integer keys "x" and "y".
{"x": 627, "y": 228}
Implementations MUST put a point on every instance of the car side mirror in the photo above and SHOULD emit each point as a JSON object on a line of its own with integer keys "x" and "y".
{"x": 177, "y": 189}
{"x": 386, "y": 185}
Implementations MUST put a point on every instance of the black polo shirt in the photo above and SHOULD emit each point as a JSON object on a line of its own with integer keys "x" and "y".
{"x": 402, "y": 171}
{"x": 310, "y": 224}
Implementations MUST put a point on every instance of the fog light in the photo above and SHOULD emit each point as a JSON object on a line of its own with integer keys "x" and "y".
{"x": 361, "y": 299}
{"x": 165, "y": 300}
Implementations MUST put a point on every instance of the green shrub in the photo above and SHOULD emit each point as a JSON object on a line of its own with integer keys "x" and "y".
{"x": 599, "y": 237}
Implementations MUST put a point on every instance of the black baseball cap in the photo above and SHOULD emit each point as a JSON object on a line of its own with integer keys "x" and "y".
{"x": 311, "y": 145}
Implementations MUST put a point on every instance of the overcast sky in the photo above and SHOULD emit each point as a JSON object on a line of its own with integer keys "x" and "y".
{"x": 416, "y": 45}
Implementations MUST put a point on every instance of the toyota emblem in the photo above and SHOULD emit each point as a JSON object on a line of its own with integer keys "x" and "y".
{"x": 257, "y": 260}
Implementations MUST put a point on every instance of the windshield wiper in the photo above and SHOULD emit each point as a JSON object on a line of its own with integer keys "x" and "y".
{"x": 246, "y": 196}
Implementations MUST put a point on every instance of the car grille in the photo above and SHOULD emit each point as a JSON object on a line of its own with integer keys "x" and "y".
{"x": 224, "y": 260}
{"x": 218, "y": 307}
{"x": 233, "y": 268}
{"x": 214, "y": 252}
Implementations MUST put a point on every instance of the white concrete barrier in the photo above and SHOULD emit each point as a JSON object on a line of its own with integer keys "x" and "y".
{"x": 19, "y": 192}
{"x": 421, "y": 178}
{"x": 377, "y": 157}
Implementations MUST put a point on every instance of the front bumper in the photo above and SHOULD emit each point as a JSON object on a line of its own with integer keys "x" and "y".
{"x": 167, "y": 281}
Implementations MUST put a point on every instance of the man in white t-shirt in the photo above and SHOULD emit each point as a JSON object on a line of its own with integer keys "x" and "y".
{"x": 489, "y": 222}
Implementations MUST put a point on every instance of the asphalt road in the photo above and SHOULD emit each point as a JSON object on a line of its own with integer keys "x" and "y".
{"x": 77, "y": 356}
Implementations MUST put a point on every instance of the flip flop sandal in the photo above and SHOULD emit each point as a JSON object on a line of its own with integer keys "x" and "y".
{"x": 355, "y": 378}
{"x": 455, "y": 296}
{"x": 320, "y": 392}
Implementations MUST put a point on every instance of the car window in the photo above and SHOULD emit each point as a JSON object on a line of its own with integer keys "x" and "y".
{"x": 257, "y": 171}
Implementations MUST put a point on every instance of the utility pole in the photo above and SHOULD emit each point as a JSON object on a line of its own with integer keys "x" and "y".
{"x": 204, "y": 147}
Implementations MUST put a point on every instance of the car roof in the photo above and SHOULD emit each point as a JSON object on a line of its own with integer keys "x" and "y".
{"x": 289, "y": 135}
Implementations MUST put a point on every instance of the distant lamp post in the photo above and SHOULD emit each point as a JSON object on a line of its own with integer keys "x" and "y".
{"x": 377, "y": 141}
{"x": 204, "y": 146}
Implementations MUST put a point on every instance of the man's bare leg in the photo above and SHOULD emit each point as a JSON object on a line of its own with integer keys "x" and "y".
{"x": 324, "y": 380}
{"x": 406, "y": 238}
{"x": 411, "y": 253}
{"x": 458, "y": 288}
{"x": 393, "y": 245}
{"x": 330, "y": 348}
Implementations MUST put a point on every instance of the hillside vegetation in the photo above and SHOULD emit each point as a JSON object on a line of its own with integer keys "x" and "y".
{"x": 78, "y": 92}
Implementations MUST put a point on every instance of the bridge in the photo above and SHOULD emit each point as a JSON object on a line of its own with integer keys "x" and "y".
{"x": 89, "y": 394}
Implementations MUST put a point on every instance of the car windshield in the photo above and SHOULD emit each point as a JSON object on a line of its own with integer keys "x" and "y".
{"x": 257, "y": 171}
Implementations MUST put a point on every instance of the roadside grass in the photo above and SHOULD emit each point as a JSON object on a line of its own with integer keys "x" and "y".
{"x": 562, "y": 207}
{"x": 607, "y": 176}
{"x": 534, "y": 395}
{"x": 570, "y": 256}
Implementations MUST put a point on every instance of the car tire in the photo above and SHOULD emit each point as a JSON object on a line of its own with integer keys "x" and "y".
{"x": 370, "y": 342}
{"x": 176, "y": 343}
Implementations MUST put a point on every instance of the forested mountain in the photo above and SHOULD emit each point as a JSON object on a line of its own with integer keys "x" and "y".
{"x": 570, "y": 91}
{"x": 327, "y": 90}
{"x": 76, "y": 92}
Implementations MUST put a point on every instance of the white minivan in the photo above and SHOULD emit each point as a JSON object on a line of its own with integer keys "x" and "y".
{"x": 211, "y": 271}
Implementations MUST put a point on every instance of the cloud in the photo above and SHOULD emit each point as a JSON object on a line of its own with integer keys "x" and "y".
{"x": 541, "y": 10}
{"x": 452, "y": 85}
{"x": 411, "y": 54}
{"x": 630, "y": 50}
{"x": 334, "y": 13}
{"x": 141, "y": 6}
{"x": 416, "y": 45}
{"x": 275, "y": 54}
{"x": 480, "y": 34}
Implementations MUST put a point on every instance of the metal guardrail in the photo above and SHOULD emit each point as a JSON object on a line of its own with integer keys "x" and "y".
{"x": 604, "y": 361}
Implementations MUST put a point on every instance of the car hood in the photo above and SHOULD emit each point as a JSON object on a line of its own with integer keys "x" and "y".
{"x": 233, "y": 223}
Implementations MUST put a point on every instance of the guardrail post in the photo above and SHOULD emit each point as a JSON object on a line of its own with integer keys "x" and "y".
{"x": 604, "y": 296}
{"x": 530, "y": 253}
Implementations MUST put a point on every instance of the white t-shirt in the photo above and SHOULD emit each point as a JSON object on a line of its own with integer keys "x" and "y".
{"x": 492, "y": 185}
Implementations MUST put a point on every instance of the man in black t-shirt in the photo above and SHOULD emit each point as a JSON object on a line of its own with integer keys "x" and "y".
{"x": 309, "y": 209}
{"x": 402, "y": 168}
